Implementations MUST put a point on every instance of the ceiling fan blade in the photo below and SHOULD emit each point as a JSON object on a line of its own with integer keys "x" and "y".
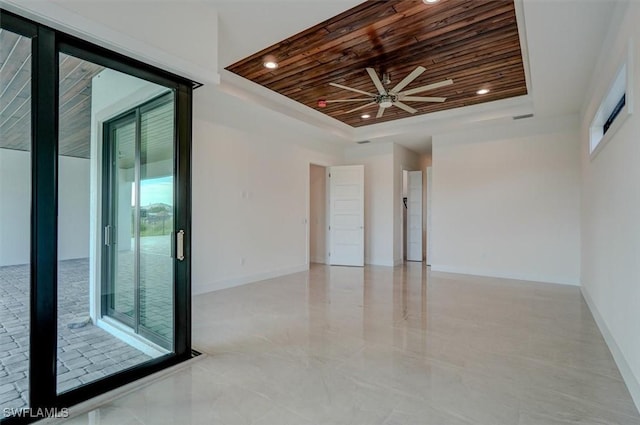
{"x": 427, "y": 87}
{"x": 360, "y": 107}
{"x": 408, "y": 79}
{"x": 422, "y": 99}
{"x": 348, "y": 100}
{"x": 405, "y": 107}
{"x": 340, "y": 86}
{"x": 376, "y": 81}
{"x": 380, "y": 112}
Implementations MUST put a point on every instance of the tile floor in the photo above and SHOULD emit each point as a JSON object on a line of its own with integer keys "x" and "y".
{"x": 387, "y": 346}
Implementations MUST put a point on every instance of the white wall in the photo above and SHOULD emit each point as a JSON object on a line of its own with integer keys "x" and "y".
{"x": 73, "y": 207}
{"x": 15, "y": 207}
{"x": 318, "y": 214}
{"x": 378, "y": 161}
{"x": 403, "y": 159}
{"x": 250, "y": 190}
{"x": 506, "y": 201}
{"x": 611, "y": 208}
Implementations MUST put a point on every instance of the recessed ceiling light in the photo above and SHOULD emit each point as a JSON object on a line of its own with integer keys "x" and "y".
{"x": 365, "y": 116}
{"x": 482, "y": 91}
{"x": 270, "y": 62}
{"x": 429, "y": 1}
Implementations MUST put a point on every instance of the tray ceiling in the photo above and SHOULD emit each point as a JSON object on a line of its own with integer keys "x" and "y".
{"x": 473, "y": 42}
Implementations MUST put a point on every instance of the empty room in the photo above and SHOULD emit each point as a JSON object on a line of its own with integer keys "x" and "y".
{"x": 279, "y": 212}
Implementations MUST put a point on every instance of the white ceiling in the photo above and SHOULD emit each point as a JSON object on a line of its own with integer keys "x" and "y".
{"x": 248, "y": 26}
{"x": 563, "y": 37}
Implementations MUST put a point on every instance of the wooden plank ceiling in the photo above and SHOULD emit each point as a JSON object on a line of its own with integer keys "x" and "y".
{"x": 473, "y": 42}
{"x": 15, "y": 98}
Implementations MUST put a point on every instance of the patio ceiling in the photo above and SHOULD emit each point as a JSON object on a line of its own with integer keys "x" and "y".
{"x": 15, "y": 98}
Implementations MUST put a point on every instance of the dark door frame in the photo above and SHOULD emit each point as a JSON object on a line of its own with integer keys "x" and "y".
{"x": 109, "y": 215}
{"x": 47, "y": 43}
{"x": 109, "y": 218}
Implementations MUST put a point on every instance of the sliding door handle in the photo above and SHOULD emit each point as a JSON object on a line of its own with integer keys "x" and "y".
{"x": 107, "y": 235}
{"x": 180, "y": 245}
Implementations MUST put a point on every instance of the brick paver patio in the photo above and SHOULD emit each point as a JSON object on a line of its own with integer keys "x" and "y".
{"x": 85, "y": 354}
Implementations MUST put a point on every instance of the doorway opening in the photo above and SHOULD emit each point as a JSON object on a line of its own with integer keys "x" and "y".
{"x": 412, "y": 214}
{"x": 317, "y": 214}
{"x": 403, "y": 234}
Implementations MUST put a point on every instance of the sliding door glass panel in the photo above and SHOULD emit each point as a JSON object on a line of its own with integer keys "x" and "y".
{"x": 123, "y": 139}
{"x": 15, "y": 213}
{"x": 156, "y": 220}
{"x": 99, "y": 221}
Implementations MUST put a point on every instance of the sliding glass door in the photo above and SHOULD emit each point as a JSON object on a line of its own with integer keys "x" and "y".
{"x": 139, "y": 203}
{"x": 95, "y": 154}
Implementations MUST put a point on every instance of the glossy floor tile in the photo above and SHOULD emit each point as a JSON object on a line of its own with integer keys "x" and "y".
{"x": 387, "y": 346}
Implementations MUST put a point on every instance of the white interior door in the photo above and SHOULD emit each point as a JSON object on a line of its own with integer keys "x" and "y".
{"x": 414, "y": 216}
{"x": 346, "y": 215}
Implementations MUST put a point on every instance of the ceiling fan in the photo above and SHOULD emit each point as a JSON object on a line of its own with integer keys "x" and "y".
{"x": 391, "y": 97}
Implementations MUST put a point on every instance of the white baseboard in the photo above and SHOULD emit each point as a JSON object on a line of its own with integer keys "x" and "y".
{"x": 243, "y": 280}
{"x": 319, "y": 260}
{"x": 376, "y": 262}
{"x": 632, "y": 381}
{"x": 515, "y": 276}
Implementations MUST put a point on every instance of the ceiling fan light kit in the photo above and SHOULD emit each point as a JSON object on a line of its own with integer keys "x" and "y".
{"x": 386, "y": 101}
{"x": 386, "y": 98}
